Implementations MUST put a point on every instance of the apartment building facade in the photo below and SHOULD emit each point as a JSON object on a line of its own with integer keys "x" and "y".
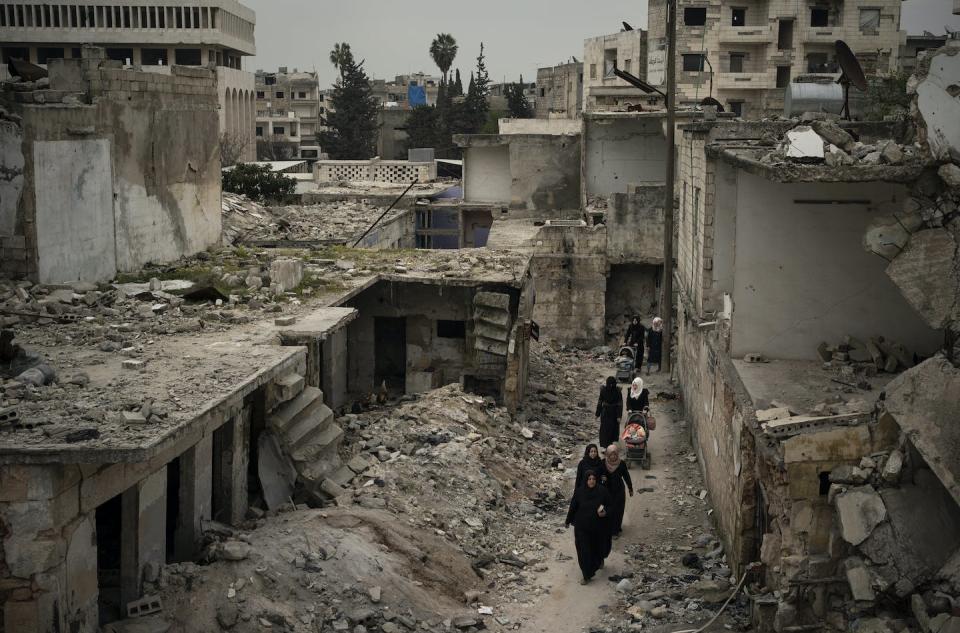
{"x": 602, "y": 89}
{"x": 746, "y": 52}
{"x": 560, "y": 91}
{"x": 288, "y": 115}
{"x": 148, "y": 36}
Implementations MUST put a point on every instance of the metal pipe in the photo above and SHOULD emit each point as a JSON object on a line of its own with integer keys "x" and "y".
{"x": 384, "y": 214}
{"x": 667, "y": 285}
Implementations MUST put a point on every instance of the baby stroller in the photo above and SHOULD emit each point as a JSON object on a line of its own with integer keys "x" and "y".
{"x": 626, "y": 364}
{"x": 636, "y": 437}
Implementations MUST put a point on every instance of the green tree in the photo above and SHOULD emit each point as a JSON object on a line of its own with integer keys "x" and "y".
{"x": 423, "y": 127}
{"x": 340, "y": 55}
{"x": 257, "y": 182}
{"x": 517, "y": 103}
{"x": 887, "y": 96}
{"x": 476, "y": 100}
{"x": 457, "y": 85}
{"x": 443, "y": 50}
{"x": 352, "y": 117}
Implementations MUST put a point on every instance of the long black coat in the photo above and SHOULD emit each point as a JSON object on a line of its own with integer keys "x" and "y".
{"x": 639, "y": 403}
{"x": 617, "y": 483}
{"x": 591, "y": 533}
{"x": 655, "y": 344}
{"x": 634, "y": 335}
{"x": 586, "y": 465}
{"x": 609, "y": 410}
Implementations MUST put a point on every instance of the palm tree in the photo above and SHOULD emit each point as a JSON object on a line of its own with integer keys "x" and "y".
{"x": 443, "y": 50}
{"x": 340, "y": 55}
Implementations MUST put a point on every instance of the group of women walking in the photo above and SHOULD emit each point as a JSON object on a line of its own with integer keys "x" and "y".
{"x": 596, "y": 509}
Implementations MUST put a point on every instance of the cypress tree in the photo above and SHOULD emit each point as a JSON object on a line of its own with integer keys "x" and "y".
{"x": 352, "y": 124}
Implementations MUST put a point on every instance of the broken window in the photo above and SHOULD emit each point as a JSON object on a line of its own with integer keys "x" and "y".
{"x": 124, "y": 55}
{"x": 609, "y": 62}
{"x": 593, "y": 71}
{"x": 543, "y": 92}
{"x": 783, "y": 76}
{"x": 269, "y": 80}
{"x": 736, "y": 62}
{"x": 824, "y": 487}
{"x": 278, "y": 130}
{"x": 44, "y": 55}
{"x": 279, "y": 95}
{"x": 188, "y": 57}
{"x": 15, "y": 52}
{"x": 869, "y": 20}
{"x": 153, "y": 57}
{"x": 694, "y": 16}
{"x": 451, "y": 329}
{"x": 737, "y": 108}
{"x": 302, "y": 95}
{"x": 739, "y": 17}
{"x": 259, "y": 131}
{"x": 819, "y": 16}
{"x": 693, "y": 62}
{"x": 261, "y": 94}
{"x": 785, "y": 35}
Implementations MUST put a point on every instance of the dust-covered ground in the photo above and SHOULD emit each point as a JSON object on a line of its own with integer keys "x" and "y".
{"x": 458, "y": 525}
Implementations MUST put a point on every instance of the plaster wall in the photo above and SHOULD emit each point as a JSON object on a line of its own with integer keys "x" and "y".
{"x": 334, "y": 369}
{"x": 635, "y": 225}
{"x": 802, "y": 276}
{"x": 622, "y": 152}
{"x": 486, "y": 174}
{"x": 398, "y": 232}
{"x": 541, "y": 126}
{"x": 545, "y": 174}
{"x": 74, "y": 210}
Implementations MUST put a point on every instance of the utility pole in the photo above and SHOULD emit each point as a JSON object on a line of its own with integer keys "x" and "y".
{"x": 667, "y": 285}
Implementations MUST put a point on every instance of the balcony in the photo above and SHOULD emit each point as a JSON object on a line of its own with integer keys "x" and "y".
{"x": 744, "y": 81}
{"x": 746, "y": 34}
{"x": 822, "y": 34}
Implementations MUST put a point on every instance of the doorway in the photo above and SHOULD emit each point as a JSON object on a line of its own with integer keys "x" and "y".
{"x": 785, "y": 35}
{"x": 390, "y": 352}
{"x": 109, "y": 520}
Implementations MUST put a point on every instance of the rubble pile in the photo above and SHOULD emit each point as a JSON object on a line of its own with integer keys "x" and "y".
{"x": 246, "y": 221}
{"x": 816, "y": 139}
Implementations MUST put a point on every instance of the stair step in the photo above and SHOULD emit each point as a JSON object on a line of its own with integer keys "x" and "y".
{"x": 304, "y": 404}
{"x": 306, "y": 426}
{"x": 324, "y": 442}
{"x": 289, "y": 386}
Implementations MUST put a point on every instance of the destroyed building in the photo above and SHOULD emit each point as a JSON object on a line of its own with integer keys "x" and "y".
{"x": 288, "y": 115}
{"x": 811, "y": 368}
{"x": 111, "y": 169}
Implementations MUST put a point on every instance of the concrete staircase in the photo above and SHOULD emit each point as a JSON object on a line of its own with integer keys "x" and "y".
{"x": 306, "y": 430}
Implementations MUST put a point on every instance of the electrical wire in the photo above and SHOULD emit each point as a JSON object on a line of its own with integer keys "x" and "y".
{"x": 743, "y": 579}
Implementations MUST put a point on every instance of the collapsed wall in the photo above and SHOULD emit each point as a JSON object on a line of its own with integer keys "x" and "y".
{"x": 111, "y": 169}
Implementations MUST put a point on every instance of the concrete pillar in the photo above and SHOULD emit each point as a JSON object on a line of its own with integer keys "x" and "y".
{"x": 196, "y": 485}
{"x": 144, "y": 523}
{"x": 231, "y": 445}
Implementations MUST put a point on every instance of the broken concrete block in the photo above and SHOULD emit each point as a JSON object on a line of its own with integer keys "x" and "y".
{"x": 287, "y": 272}
{"x": 804, "y": 144}
{"x": 776, "y": 413}
{"x": 132, "y": 364}
{"x": 919, "y": 609}
{"x": 836, "y": 157}
{"x": 950, "y": 175}
{"x": 823, "y": 350}
{"x": 285, "y": 321}
{"x": 891, "y": 470}
{"x": 358, "y": 464}
{"x": 860, "y": 510}
{"x": 834, "y": 134}
{"x": 234, "y": 550}
{"x": 133, "y": 417}
{"x": 938, "y": 108}
{"x": 331, "y": 489}
{"x": 873, "y": 158}
{"x": 891, "y": 154}
{"x": 254, "y": 282}
{"x": 927, "y": 278}
{"x": 342, "y": 476}
{"x": 860, "y": 580}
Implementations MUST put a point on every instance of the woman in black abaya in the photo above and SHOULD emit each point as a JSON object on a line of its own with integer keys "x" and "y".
{"x": 616, "y": 479}
{"x": 587, "y": 514}
{"x": 610, "y": 410}
{"x": 591, "y": 461}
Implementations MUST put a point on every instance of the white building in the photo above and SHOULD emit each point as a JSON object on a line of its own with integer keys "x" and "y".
{"x": 288, "y": 115}
{"x": 215, "y": 33}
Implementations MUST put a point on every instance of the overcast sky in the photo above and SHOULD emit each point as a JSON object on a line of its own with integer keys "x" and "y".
{"x": 520, "y": 35}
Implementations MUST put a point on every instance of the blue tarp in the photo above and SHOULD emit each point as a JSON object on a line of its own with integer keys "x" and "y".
{"x": 416, "y": 96}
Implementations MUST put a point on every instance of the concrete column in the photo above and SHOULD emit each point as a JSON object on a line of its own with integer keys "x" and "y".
{"x": 137, "y": 56}
{"x": 232, "y": 449}
{"x": 196, "y": 485}
{"x": 144, "y": 523}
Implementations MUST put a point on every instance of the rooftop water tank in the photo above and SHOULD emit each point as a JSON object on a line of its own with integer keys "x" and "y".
{"x": 803, "y": 97}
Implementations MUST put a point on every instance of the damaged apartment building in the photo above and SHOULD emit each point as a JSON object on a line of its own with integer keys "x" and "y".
{"x": 817, "y": 295}
{"x": 135, "y": 414}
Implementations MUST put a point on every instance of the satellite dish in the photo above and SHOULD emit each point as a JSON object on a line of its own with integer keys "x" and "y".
{"x": 636, "y": 82}
{"x": 852, "y": 74}
{"x": 627, "y": 27}
{"x": 710, "y": 101}
{"x": 25, "y": 70}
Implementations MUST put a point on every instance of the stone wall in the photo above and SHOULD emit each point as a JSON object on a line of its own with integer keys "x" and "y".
{"x": 397, "y": 232}
{"x": 635, "y": 225}
{"x": 123, "y": 172}
{"x": 569, "y": 267}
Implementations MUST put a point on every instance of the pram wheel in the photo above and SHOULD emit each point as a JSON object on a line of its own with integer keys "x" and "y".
{"x": 645, "y": 463}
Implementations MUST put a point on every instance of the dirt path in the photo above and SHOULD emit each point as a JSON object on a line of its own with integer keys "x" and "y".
{"x": 568, "y": 606}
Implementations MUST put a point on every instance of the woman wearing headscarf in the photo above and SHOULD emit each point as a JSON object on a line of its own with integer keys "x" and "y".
{"x": 638, "y": 398}
{"x": 634, "y": 338}
{"x": 609, "y": 410}
{"x": 655, "y": 343}
{"x": 588, "y": 511}
{"x": 616, "y": 479}
{"x": 591, "y": 462}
